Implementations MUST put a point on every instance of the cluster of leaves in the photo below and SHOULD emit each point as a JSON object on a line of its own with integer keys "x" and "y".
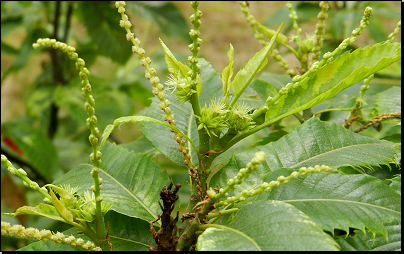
{"x": 357, "y": 206}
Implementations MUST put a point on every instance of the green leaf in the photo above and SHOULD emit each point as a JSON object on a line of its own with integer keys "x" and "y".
{"x": 244, "y": 77}
{"x": 276, "y": 80}
{"x": 122, "y": 236}
{"x": 317, "y": 143}
{"x": 332, "y": 78}
{"x": 141, "y": 145}
{"x": 36, "y": 147}
{"x": 173, "y": 65}
{"x": 263, "y": 89}
{"x": 396, "y": 184}
{"x": 212, "y": 83}
{"x": 133, "y": 119}
{"x": 267, "y": 226}
{"x": 161, "y": 137}
{"x": 388, "y": 101}
{"x": 101, "y": 19}
{"x": 363, "y": 242}
{"x": 44, "y": 210}
{"x": 312, "y": 143}
{"x": 227, "y": 72}
{"x": 355, "y": 243}
{"x": 393, "y": 243}
{"x": 338, "y": 201}
{"x": 132, "y": 182}
{"x": 61, "y": 209}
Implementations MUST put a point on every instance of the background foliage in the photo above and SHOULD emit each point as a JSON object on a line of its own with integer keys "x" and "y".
{"x": 30, "y": 97}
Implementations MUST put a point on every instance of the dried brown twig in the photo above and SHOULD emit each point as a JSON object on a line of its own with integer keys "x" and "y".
{"x": 379, "y": 119}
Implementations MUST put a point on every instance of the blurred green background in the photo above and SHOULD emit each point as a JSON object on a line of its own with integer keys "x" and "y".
{"x": 40, "y": 89}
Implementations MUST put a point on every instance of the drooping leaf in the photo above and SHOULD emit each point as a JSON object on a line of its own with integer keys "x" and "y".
{"x": 70, "y": 98}
{"x": 132, "y": 182}
{"x": 332, "y": 78}
{"x": 36, "y": 147}
{"x": 338, "y": 201}
{"x": 44, "y": 210}
{"x": 244, "y": 77}
{"x": 39, "y": 101}
{"x": 110, "y": 103}
{"x": 267, "y": 226}
{"x": 125, "y": 233}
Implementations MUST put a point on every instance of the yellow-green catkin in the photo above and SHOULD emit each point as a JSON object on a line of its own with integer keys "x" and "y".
{"x": 23, "y": 175}
{"x": 293, "y": 17}
{"x": 91, "y": 121}
{"x": 267, "y": 187}
{"x": 392, "y": 36}
{"x": 196, "y": 43}
{"x": 46, "y": 235}
{"x": 151, "y": 74}
{"x": 328, "y": 57}
{"x": 274, "y": 53}
{"x": 259, "y": 157}
{"x": 320, "y": 29}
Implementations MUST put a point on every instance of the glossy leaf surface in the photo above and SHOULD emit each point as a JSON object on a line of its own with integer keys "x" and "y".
{"x": 338, "y": 201}
{"x": 44, "y": 210}
{"x": 332, "y": 78}
{"x": 131, "y": 181}
{"x": 267, "y": 226}
{"x": 389, "y": 101}
{"x": 313, "y": 143}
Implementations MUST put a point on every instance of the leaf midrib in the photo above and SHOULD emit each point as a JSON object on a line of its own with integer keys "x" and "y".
{"x": 334, "y": 150}
{"x": 128, "y": 240}
{"x": 132, "y": 195}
